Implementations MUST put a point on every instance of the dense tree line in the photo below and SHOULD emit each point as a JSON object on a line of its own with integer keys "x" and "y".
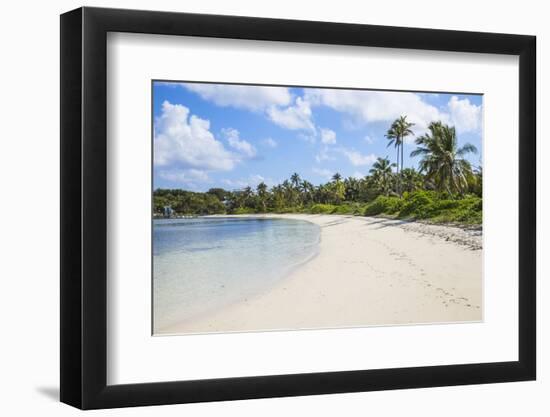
{"x": 442, "y": 170}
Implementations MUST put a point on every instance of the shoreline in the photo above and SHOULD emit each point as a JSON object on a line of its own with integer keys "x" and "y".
{"x": 464, "y": 226}
{"x": 471, "y": 236}
{"x": 368, "y": 271}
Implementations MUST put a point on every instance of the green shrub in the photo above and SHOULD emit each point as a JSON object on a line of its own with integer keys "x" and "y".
{"x": 322, "y": 208}
{"x": 344, "y": 209}
{"x": 384, "y": 205}
{"x": 415, "y": 204}
{"x": 289, "y": 209}
{"x": 244, "y": 210}
{"x": 438, "y": 208}
{"x": 356, "y": 208}
{"x": 375, "y": 207}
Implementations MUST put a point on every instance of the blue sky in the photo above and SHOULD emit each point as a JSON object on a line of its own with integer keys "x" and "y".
{"x": 233, "y": 136}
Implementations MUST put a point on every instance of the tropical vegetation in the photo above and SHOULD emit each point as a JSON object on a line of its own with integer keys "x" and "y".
{"x": 444, "y": 188}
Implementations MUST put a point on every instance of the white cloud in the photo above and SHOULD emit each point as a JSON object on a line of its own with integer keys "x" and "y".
{"x": 358, "y": 175}
{"x": 276, "y": 102}
{"x": 270, "y": 143}
{"x": 296, "y": 117}
{"x": 249, "y": 97}
{"x": 325, "y": 173}
{"x": 328, "y": 137}
{"x": 323, "y": 155}
{"x": 368, "y": 139}
{"x": 256, "y": 179}
{"x": 310, "y": 138}
{"x": 252, "y": 181}
{"x": 241, "y": 145}
{"x": 357, "y": 158}
{"x": 465, "y": 116}
{"x": 186, "y": 141}
{"x": 377, "y": 106}
{"x": 184, "y": 176}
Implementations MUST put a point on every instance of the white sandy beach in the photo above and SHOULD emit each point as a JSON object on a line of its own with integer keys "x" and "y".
{"x": 369, "y": 271}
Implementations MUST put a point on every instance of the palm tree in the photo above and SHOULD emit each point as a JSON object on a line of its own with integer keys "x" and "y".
{"x": 278, "y": 194}
{"x": 411, "y": 179}
{"x": 475, "y": 182}
{"x": 382, "y": 172}
{"x": 351, "y": 186}
{"x": 295, "y": 179}
{"x": 337, "y": 189}
{"x": 262, "y": 194}
{"x": 393, "y": 139}
{"x": 442, "y": 160}
{"x": 290, "y": 192}
{"x": 307, "y": 189}
{"x": 246, "y": 196}
{"x": 368, "y": 188}
{"x": 396, "y": 135}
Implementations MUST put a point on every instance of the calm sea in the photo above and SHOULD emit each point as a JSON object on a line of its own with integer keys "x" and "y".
{"x": 203, "y": 264}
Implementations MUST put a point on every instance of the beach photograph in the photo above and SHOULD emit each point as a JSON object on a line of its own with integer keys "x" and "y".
{"x": 279, "y": 208}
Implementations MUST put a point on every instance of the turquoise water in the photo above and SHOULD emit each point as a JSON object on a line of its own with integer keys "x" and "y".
{"x": 203, "y": 264}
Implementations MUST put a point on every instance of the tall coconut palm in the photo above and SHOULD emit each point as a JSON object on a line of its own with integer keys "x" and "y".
{"x": 307, "y": 190}
{"x": 247, "y": 194}
{"x": 278, "y": 194}
{"x": 295, "y": 179}
{"x": 393, "y": 139}
{"x": 442, "y": 160}
{"x": 396, "y": 134}
{"x": 320, "y": 194}
{"x": 261, "y": 189}
{"x": 352, "y": 188}
{"x": 291, "y": 192}
{"x": 337, "y": 189}
{"x": 382, "y": 173}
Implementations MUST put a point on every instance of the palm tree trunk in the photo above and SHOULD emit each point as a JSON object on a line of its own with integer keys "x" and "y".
{"x": 398, "y": 179}
{"x": 401, "y": 156}
{"x": 401, "y": 161}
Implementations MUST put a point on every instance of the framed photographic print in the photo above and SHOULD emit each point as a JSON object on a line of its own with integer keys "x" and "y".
{"x": 257, "y": 207}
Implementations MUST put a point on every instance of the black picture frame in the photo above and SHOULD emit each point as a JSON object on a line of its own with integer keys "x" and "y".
{"x": 84, "y": 207}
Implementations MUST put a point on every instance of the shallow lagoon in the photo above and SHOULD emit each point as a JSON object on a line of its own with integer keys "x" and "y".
{"x": 203, "y": 264}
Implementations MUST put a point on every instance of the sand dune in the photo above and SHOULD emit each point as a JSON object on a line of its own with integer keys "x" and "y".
{"x": 369, "y": 271}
